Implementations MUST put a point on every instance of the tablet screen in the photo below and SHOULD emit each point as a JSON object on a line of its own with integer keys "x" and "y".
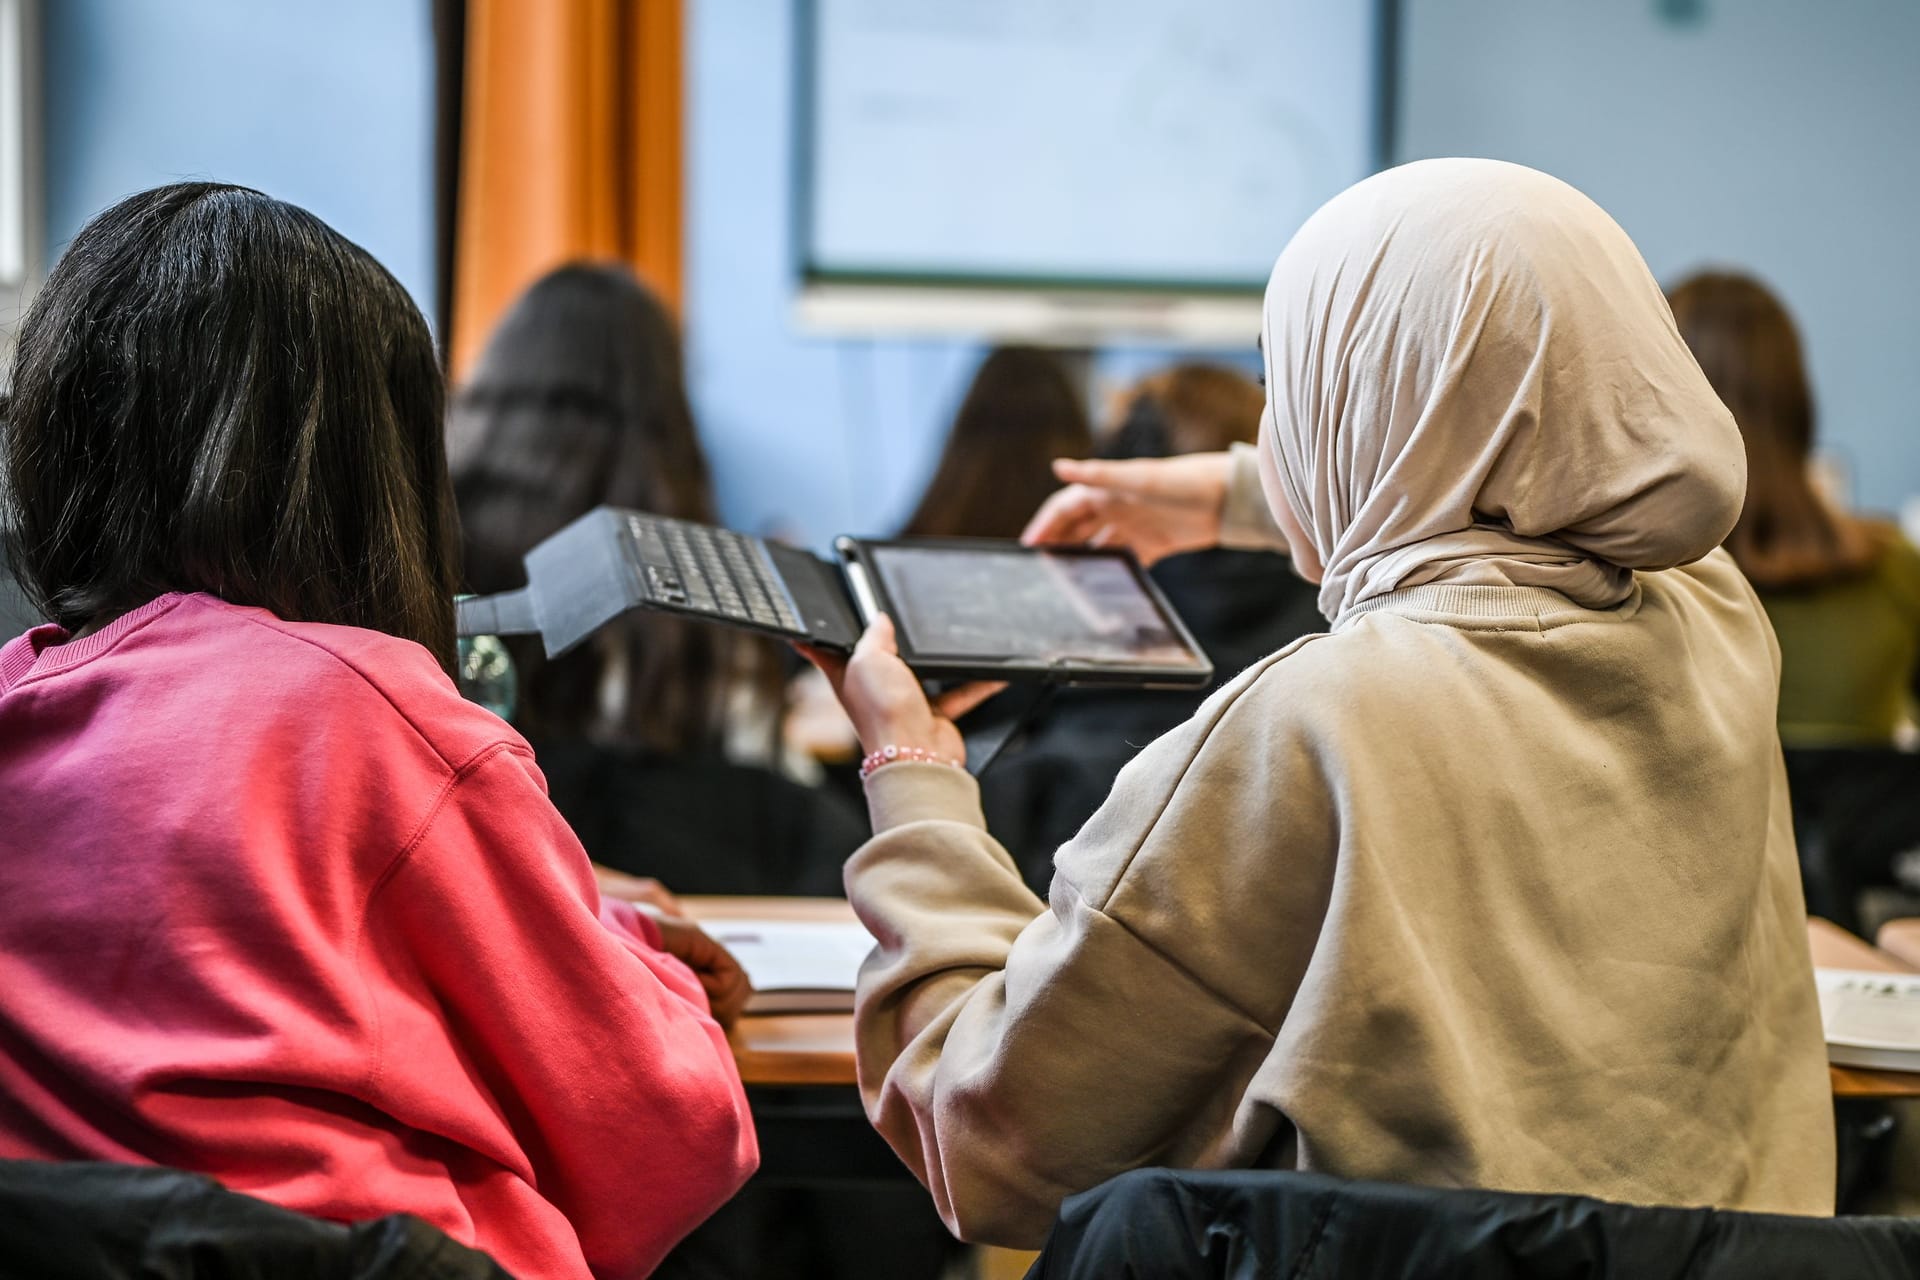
{"x": 996, "y": 603}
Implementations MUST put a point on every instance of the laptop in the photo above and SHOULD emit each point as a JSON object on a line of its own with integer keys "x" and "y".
{"x": 963, "y": 609}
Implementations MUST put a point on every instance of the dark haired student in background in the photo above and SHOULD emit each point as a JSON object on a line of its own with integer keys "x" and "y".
{"x": 1240, "y": 605}
{"x": 1843, "y": 594}
{"x": 1020, "y": 413}
{"x": 659, "y": 737}
{"x": 276, "y": 904}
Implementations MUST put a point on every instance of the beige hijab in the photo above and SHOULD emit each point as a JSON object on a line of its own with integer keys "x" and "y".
{"x": 1474, "y": 379}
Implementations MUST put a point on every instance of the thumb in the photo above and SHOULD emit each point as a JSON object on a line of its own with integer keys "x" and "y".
{"x": 877, "y": 638}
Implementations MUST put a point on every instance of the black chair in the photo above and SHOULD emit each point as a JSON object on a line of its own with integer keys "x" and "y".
{"x": 1174, "y": 1225}
{"x": 87, "y": 1221}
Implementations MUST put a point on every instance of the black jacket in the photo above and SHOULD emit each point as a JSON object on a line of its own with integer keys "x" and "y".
{"x": 1175, "y": 1225}
{"x": 702, "y": 824}
{"x": 86, "y": 1221}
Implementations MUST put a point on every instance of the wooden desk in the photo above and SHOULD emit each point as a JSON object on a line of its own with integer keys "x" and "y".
{"x": 1835, "y": 948}
{"x": 817, "y": 1048}
{"x": 787, "y": 1048}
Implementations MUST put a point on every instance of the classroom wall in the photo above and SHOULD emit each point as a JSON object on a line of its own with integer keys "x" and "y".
{"x": 1765, "y": 133}
{"x": 811, "y": 437}
{"x": 327, "y": 105}
{"x": 1770, "y": 135}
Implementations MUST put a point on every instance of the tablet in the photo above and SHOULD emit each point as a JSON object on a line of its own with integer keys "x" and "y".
{"x": 963, "y": 608}
{"x": 985, "y": 609}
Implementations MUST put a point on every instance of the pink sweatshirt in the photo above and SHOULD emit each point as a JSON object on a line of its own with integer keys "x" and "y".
{"x": 278, "y": 906}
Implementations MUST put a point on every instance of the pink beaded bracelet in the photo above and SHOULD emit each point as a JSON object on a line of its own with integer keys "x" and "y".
{"x": 891, "y": 754}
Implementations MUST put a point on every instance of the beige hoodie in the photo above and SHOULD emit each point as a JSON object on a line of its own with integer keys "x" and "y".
{"x": 1494, "y": 884}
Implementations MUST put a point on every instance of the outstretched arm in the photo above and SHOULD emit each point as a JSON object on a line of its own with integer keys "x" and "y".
{"x": 1160, "y": 506}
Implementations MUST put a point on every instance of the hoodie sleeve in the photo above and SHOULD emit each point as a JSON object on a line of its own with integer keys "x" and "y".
{"x": 1246, "y": 523}
{"x": 586, "y": 1057}
{"x": 1015, "y": 1052}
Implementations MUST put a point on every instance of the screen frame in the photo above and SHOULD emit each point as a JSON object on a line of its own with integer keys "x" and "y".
{"x": 809, "y": 277}
{"x": 858, "y": 560}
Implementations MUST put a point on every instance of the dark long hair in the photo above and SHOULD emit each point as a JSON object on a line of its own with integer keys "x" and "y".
{"x": 1745, "y": 342}
{"x": 578, "y": 400}
{"x": 1019, "y": 415}
{"x": 215, "y": 391}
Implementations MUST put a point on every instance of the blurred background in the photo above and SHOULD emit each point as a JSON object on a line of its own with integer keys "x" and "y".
{"x": 846, "y": 200}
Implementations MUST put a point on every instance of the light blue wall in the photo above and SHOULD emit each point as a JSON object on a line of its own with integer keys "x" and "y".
{"x": 810, "y": 437}
{"x": 1773, "y": 134}
{"x": 1776, "y": 136}
{"x": 326, "y": 105}
{"x": 330, "y": 106}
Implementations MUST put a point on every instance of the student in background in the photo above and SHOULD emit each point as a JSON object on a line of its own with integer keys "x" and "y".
{"x": 1843, "y": 594}
{"x": 1490, "y": 885}
{"x": 277, "y": 905}
{"x": 659, "y": 737}
{"x": 1020, "y": 414}
{"x": 1240, "y": 605}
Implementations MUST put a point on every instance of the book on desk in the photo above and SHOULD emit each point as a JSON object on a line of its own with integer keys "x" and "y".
{"x": 796, "y": 966}
{"x": 1872, "y": 1020}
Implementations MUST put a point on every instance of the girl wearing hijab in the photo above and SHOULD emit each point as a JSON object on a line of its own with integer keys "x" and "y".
{"x": 1020, "y": 413}
{"x": 1490, "y": 885}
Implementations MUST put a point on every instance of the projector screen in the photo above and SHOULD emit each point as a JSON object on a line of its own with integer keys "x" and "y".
{"x": 1147, "y": 145}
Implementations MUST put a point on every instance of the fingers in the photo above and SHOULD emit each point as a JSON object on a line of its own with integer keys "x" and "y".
{"x": 831, "y": 665}
{"x": 1066, "y": 517}
{"x": 956, "y": 702}
{"x": 647, "y": 889}
{"x": 721, "y": 977}
{"x": 1133, "y": 477}
{"x": 642, "y": 891}
{"x": 728, "y": 991}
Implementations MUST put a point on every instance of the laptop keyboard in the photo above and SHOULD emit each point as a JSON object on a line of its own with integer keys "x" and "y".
{"x": 717, "y": 572}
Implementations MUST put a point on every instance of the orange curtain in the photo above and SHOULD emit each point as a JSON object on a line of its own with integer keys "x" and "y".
{"x": 570, "y": 147}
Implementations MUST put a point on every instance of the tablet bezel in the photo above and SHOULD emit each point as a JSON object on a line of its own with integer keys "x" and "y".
{"x": 857, "y": 558}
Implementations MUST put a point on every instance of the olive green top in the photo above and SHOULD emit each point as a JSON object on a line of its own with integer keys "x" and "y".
{"x": 1849, "y": 653}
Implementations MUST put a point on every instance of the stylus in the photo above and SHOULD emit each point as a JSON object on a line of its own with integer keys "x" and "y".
{"x": 862, "y": 593}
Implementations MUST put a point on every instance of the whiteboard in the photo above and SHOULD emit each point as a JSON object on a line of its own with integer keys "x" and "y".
{"x": 1146, "y": 144}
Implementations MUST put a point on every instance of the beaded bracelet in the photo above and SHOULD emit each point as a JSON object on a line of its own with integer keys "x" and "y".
{"x": 891, "y": 754}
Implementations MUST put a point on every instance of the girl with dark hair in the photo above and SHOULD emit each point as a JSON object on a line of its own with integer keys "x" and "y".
{"x": 658, "y": 736}
{"x": 1843, "y": 593}
{"x": 276, "y": 904}
{"x": 996, "y": 469}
